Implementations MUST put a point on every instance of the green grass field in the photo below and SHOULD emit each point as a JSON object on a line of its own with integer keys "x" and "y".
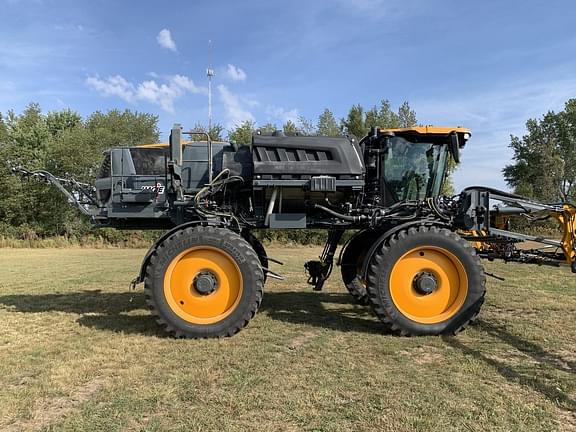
{"x": 79, "y": 351}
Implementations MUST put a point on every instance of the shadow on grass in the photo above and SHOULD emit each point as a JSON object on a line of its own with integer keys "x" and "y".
{"x": 109, "y": 311}
{"x": 321, "y": 310}
{"x": 101, "y": 310}
{"x": 527, "y": 374}
{"x": 529, "y": 348}
{"x": 80, "y": 302}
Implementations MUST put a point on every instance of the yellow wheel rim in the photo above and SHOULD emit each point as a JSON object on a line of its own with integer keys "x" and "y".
{"x": 450, "y": 285}
{"x": 207, "y": 306}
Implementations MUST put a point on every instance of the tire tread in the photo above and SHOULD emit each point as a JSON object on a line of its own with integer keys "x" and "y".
{"x": 216, "y": 234}
{"x": 387, "y": 313}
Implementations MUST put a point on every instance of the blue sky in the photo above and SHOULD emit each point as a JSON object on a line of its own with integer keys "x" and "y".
{"x": 486, "y": 65}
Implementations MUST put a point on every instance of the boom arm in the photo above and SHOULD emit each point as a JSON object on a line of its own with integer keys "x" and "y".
{"x": 81, "y": 195}
{"x": 493, "y": 240}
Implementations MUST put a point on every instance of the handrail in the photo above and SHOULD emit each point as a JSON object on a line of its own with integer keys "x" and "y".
{"x": 209, "y": 140}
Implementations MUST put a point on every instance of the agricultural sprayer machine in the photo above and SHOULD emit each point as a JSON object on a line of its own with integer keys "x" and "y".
{"x": 414, "y": 256}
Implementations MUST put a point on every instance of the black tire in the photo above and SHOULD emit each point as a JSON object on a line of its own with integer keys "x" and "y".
{"x": 351, "y": 263}
{"x": 258, "y": 248}
{"x": 237, "y": 252}
{"x": 462, "y": 308}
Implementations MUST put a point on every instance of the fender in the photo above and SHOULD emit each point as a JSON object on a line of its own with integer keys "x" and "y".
{"x": 372, "y": 234}
{"x": 140, "y": 278}
{"x": 387, "y": 234}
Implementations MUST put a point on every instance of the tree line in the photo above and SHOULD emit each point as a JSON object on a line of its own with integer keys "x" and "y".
{"x": 358, "y": 123}
{"x": 67, "y": 145}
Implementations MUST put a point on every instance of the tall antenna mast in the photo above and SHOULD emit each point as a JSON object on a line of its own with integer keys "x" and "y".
{"x": 209, "y": 74}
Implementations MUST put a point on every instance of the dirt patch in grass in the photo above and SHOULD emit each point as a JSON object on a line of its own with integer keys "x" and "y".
{"x": 301, "y": 340}
{"x": 566, "y": 420}
{"x": 49, "y": 411}
{"x": 424, "y": 355}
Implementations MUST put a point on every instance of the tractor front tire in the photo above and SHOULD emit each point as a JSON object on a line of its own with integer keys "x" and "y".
{"x": 426, "y": 281}
{"x": 204, "y": 282}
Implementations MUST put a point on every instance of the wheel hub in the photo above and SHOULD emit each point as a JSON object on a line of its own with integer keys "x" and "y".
{"x": 205, "y": 283}
{"x": 425, "y": 283}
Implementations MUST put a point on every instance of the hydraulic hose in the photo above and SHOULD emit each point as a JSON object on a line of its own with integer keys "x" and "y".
{"x": 354, "y": 219}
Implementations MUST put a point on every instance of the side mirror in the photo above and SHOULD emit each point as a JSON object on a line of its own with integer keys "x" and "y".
{"x": 454, "y": 147}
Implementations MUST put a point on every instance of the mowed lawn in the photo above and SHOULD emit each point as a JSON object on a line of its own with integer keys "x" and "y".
{"x": 79, "y": 351}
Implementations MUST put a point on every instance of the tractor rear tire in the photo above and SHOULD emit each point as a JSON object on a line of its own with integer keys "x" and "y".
{"x": 426, "y": 281}
{"x": 351, "y": 265}
{"x": 204, "y": 282}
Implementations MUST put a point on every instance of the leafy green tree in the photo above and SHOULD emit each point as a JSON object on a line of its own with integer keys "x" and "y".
{"x": 3, "y": 130}
{"x": 216, "y": 132}
{"x": 406, "y": 116}
{"x": 28, "y": 136}
{"x": 73, "y": 152}
{"x": 354, "y": 123}
{"x": 358, "y": 122}
{"x": 58, "y": 121}
{"x": 544, "y": 161}
{"x": 70, "y": 150}
{"x": 567, "y": 149}
{"x": 242, "y": 134}
{"x": 372, "y": 119}
{"x": 123, "y": 128}
{"x": 327, "y": 125}
{"x": 290, "y": 128}
{"x": 386, "y": 117}
{"x": 26, "y": 144}
{"x": 306, "y": 127}
{"x": 268, "y": 128}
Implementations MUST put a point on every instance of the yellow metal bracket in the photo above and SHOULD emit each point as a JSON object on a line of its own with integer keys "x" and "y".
{"x": 567, "y": 219}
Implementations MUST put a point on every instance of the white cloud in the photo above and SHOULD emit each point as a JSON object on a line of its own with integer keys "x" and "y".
{"x": 234, "y": 108}
{"x": 235, "y": 73}
{"x": 165, "y": 40}
{"x": 282, "y": 114}
{"x": 113, "y": 86}
{"x": 187, "y": 84}
{"x": 163, "y": 94}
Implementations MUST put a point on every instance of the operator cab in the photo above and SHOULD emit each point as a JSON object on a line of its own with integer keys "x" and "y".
{"x": 414, "y": 161}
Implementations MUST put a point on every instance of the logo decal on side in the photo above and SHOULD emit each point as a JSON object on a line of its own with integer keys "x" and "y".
{"x": 158, "y": 188}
